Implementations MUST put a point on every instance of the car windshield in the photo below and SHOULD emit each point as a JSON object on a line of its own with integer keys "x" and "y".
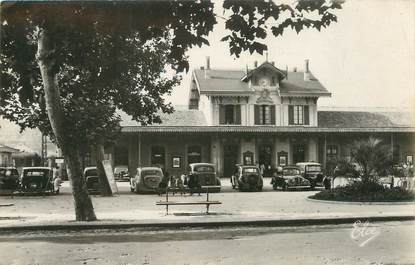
{"x": 249, "y": 170}
{"x": 290, "y": 171}
{"x": 313, "y": 168}
{"x": 36, "y": 172}
{"x": 204, "y": 169}
{"x": 120, "y": 169}
{"x": 151, "y": 172}
{"x": 91, "y": 172}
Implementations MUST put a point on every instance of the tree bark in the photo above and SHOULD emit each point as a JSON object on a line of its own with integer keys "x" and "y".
{"x": 103, "y": 180}
{"x": 84, "y": 209}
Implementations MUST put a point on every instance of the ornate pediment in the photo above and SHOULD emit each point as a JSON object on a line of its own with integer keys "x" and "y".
{"x": 265, "y": 97}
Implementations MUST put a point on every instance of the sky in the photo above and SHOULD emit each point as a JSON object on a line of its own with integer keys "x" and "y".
{"x": 366, "y": 59}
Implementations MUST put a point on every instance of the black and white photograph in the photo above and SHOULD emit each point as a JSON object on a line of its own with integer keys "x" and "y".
{"x": 207, "y": 132}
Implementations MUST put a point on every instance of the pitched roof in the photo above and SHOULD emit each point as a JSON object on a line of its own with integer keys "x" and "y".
{"x": 7, "y": 149}
{"x": 177, "y": 118}
{"x": 294, "y": 84}
{"x": 190, "y": 121}
{"x": 221, "y": 81}
{"x": 229, "y": 82}
{"x": 359, "y": 119}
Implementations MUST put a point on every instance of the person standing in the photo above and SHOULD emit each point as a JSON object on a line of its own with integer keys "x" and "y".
{"x": 56, "y": 179}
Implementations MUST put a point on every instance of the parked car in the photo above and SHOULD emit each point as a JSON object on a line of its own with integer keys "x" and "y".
{"x": 247, "y": 178}
{"x": 290, "y": 178}
{"x": 9, "y": 178}
{"x": 201, "y": 174}
{"x": 121, "y": 173}
{"x": 37, "y": 179}
{"x": 92, "y": 180}
{"x": 314, "y": 173}
{"x": 147, "y": 179}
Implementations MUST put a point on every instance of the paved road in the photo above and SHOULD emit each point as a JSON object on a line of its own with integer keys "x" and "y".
{"x": 393, "y": 243}
{"x": 235, "y": 205}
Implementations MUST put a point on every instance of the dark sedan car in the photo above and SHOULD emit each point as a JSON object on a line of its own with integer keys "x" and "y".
{"x": 201, "y": 175}
{"x": 9, "y": 178}
{"x": 121, "y": 173}
{"x": 247, "y": 178}
{"x": 147, "y": 179}
{"x": 314, "y": 173}
{"x": 92, "y": 181}
{"x": 290, "y": 178}
{"x": 37, "y": 179}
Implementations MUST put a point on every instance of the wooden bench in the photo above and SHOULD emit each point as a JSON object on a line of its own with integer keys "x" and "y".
{"x": 168, "y": 203}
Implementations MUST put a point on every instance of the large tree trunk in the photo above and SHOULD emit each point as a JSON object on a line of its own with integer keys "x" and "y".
{"x": 103, "y": 180}
{"x": 84, "y": 209}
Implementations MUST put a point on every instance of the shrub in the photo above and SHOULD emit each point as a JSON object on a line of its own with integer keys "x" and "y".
{"x": 365, "y": 192}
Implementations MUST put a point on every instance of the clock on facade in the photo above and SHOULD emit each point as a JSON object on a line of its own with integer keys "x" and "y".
{"x": 264, "y": 82}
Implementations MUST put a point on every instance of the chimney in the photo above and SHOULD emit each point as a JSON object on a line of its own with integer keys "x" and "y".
{"x": 286, "y": 72}
{"x": 273, "y": 63}
{"x": 207, "y": 62}
{"x": 306, "y": 70}
{"x": 255, "y": 64}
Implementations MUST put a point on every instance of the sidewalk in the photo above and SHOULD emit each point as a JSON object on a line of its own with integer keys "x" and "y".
{"x": 238, "y": 208}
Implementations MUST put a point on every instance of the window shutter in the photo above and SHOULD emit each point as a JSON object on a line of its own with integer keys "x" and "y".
{"x": 256, "y": 114}
{"x": 290, "y": 115}
{"x": 221, "y": 114}
{"x": 306, "y": 116}
{"x": 273, "y": 114}
{"x": 237, "y": 114}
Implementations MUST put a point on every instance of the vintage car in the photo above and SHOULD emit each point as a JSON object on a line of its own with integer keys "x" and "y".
{"x": 313, "y": 172}
{"x": 9, "y": 178}
{"x": 290, "y": 178}
{"x": 147, "y": 179}
{"x": 37, "y": 179}
{"x": 121, "y": 173}
{"x": 247, "y": 178}
{"x": 200, "y": 175}
{"x": 92, "y": 180}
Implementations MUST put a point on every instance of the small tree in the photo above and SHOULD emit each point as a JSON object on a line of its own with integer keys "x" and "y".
{"x": 373, "y": 157}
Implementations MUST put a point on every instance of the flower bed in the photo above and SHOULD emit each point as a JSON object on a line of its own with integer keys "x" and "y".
{"x": 365, "y": 192}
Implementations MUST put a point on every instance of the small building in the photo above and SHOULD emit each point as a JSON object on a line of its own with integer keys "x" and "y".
{"x": 263, "y": 116}
{"x": 6, "y": 155}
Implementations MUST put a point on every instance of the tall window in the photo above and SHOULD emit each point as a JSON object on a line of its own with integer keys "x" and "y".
{"x": 158, "y": 156}
{"x": 331, "y": 152}
{"x": 194, "y": 154}
{"x": 298, "y": 115}
{"x": 229, "y": 114}
{"x": 265, "y": 114}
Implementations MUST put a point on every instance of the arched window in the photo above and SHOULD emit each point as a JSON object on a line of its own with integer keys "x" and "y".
{"x": 194, "y": 154}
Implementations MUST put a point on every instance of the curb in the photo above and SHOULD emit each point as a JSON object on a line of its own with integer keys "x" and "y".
{"x": 360, "y": 203}
{"x": 80, "y": 226}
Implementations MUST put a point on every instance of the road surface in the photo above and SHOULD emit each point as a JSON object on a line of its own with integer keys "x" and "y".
{"x": 379, "y": 243}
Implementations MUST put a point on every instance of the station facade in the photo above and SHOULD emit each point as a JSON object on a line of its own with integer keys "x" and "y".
{"x": 264, "y": 116}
